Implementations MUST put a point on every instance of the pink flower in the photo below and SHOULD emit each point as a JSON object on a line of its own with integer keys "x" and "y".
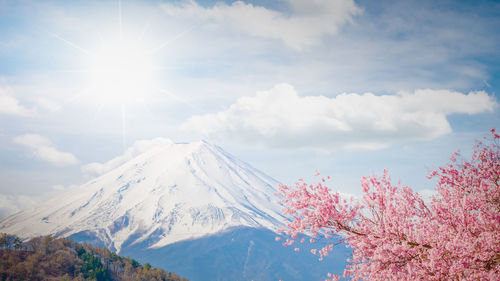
{"x": 396, "y": 235}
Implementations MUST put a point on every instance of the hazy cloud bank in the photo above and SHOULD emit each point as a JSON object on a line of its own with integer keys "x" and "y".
{"x": 43, "y": 149}
{"x": 11, "y": 106}
{"x": 304, "y": 25}
{"x": 10, "y": 204}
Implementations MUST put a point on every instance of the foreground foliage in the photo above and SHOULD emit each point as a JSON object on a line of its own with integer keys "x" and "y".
{"x": 396, "y": 235}
{"x": 48, "y": 258}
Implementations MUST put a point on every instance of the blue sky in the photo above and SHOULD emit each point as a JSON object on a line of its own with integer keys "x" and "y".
{"x": 346, "y": 88}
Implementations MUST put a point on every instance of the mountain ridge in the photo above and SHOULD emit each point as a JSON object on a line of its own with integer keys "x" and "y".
{"x": 169, "y": 193}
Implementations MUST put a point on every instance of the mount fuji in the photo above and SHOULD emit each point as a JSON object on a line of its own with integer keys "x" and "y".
{"x": 191, "y": 208}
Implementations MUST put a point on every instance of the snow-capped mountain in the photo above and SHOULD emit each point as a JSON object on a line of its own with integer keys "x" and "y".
{"x": 171, "y": 193}
{"x": 188, "y": 208}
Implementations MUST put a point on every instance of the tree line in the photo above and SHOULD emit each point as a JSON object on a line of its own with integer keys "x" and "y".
{"x": 50, "y": 258}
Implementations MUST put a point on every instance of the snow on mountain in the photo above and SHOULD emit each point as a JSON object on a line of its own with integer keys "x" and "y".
{"x": 170, "y": 193}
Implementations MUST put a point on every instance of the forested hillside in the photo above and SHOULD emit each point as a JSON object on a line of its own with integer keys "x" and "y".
{"x": 49, "y": 258}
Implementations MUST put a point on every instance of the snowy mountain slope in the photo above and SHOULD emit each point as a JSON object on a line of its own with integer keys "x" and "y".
{"x": 170, "y": 193}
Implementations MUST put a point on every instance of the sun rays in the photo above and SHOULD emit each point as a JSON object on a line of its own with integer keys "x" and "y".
{"x": 121, "y": 69}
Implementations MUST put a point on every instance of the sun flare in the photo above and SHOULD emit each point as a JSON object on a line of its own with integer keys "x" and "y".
{"x": 120, "y": 71}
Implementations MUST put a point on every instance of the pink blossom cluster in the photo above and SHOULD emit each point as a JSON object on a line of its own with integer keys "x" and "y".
{"x": 395, "y": 235}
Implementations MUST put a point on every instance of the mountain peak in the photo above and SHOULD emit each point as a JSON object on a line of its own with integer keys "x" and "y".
{"x": 170, "y": 192}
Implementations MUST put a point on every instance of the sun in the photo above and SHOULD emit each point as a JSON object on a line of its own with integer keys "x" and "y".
{"x": 120, "y": 72}
{"x": 119, "y": 68}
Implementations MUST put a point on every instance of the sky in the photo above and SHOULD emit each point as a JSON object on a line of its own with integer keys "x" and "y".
{"x": 292, "y": 87}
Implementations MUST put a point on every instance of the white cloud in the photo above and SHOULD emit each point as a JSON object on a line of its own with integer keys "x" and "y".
{"x": 11, "y": 204}
{"x": 304, "y": 25}
{"x": 48, "y": 104}
{"x": 140, "y": 146}
{"x": 43, "y": 149}
{"x": 281, "y": 118}
{"x": 60, "y": 187}
{"x": 10, "y": 105}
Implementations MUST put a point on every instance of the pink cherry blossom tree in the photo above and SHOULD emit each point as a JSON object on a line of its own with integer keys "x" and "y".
{"x": 396, "y": 235}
